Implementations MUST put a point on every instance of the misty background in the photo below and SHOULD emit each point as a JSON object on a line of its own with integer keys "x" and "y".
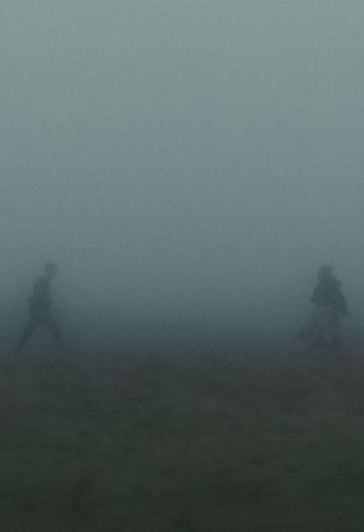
{"x": 188, "y": 164}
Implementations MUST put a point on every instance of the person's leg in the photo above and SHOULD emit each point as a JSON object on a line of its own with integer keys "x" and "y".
{"x": 55, "y": 332}
{"x": 310, "y": 337}
{"x": 332, "y": 336}
{"x": 336, "y": 337}
{"x": 312, "y": 333}
{"x": 310, "y": 346}
{"x": 29, "y": 330}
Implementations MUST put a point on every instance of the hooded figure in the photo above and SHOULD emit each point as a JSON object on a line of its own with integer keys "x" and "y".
{"x": 323, "y": 329}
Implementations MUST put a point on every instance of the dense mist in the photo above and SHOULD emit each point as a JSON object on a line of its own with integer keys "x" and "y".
{"x": 188, "y": 164}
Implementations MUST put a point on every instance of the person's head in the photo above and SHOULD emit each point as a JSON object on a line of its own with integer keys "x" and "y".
{"x": 325, "y": 272}
{"x": 50, "y": 269}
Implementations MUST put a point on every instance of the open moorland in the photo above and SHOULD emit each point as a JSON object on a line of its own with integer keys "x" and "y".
{"x": 204, "y": 442}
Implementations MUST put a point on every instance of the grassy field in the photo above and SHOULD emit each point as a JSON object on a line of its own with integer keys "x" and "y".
{"x": 229, "y": 442}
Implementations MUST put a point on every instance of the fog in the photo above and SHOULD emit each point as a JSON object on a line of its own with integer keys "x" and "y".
{"x": 187, "y": 164}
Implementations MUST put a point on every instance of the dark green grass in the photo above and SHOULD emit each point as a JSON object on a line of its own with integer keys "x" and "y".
{"x": 195, "y": 443}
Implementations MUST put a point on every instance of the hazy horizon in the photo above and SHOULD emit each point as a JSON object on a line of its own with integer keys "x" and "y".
{"x": 183, "y": 161}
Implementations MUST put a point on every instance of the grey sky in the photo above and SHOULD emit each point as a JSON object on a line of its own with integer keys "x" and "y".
{"x": 182, "y": 157}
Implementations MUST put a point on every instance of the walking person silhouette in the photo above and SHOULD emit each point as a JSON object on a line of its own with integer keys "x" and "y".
{"x": 323, "y": 329}
{"x": 41, "y": 312}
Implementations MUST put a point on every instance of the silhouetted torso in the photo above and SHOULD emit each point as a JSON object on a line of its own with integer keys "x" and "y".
{"x": 328, "y": 293}
{"x": 40, "y": 300}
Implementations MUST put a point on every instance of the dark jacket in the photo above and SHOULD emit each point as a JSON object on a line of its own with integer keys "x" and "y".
{"x": 40, "y": 300}
{"x": 328, "y": 293}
